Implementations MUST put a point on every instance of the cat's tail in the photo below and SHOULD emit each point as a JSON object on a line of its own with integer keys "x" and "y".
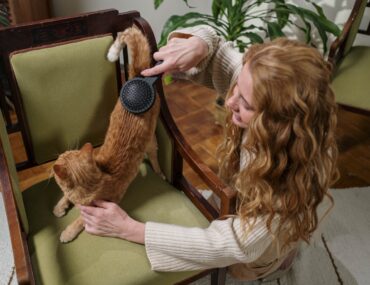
{"x": 138, "y": 50}
{"x": 115, "y": 49}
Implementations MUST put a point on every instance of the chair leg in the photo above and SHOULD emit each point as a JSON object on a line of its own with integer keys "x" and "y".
{"x": 4, "y": 107}
{"x": 218, "y": 277}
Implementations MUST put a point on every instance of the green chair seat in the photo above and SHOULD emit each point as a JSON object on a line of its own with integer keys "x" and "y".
{"x": 348, "y": 82}
{"x": 97, "y": 260}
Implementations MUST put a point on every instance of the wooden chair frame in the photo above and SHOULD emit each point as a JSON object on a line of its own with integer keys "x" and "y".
{"x": 337, "y": 47}
{"x": 336, "y": 52}
{"x": 72, "y": 28}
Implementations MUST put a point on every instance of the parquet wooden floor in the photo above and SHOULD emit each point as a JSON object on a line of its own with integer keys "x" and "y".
{"x": 193, "y": 109}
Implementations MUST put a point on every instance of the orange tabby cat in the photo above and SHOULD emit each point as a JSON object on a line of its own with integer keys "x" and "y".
{"x": 85, "y": 175}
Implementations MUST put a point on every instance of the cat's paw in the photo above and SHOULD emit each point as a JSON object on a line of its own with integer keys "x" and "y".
{"x": 67, "y": 236}
{"x": 162, "y": 176}
{"x": 113, "y": 53}
{"x": 59, "y": 212}
{"x": 142, "y": 169}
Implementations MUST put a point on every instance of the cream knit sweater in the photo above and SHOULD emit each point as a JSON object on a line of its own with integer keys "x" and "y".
{"x": 222, "y": 65}
{"x": 176, "y": 248}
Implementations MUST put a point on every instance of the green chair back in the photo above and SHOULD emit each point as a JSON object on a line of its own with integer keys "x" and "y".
{"x": 165, "y": 151}
{"x": 67, "y": 92}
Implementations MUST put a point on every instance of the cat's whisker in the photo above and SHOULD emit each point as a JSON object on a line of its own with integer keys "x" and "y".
{"x": 51, "y": 175}
{"x": 76, "y": 145}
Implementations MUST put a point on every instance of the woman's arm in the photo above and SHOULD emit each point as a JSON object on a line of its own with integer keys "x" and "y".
{"x": 217, "y": 68}
{"x": 177, "y": 248}
{"x": 223, "y": 243}
{"x": 179, "y": 55}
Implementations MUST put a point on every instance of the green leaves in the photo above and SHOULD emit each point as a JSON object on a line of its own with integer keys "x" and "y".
{"x": 274, "y": 30}
{"x": 254, "y": 38}
{"x": 158, "y": 3}
{"x": 216, "y": 9}
{"x": 232, "y": 19}
{"x": 321, "y": 23}
{"x": 4, "y": 16}
{"x": 4, "y": 21}
{"x": 282, "y": 14}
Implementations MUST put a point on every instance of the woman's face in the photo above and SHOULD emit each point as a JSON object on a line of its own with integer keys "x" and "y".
{"x": 240, "y": 102}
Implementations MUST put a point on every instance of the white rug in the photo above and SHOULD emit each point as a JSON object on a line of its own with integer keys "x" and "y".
{"x": 7, "y": 271}
{"x": 338, "y": 255}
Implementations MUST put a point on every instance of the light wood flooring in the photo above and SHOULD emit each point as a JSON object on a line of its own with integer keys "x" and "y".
{"x": 193, "y": 109}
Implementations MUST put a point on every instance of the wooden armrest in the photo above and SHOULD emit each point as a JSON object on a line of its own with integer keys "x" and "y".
{"x": 224, "y": 192}
{"x": 334, "y": 54}
{"x": 19, "y": 245}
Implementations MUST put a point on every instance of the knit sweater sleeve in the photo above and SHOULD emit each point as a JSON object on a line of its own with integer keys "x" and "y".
{"x": 222, "y": 65}
{"x": 176, "y": 248}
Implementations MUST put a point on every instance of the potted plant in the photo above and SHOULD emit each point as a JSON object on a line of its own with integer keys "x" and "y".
{"x": 4, "y": 15}
{"x": 245, "y": 22}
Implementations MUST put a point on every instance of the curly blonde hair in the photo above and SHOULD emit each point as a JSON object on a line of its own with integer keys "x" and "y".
{"x": 289, "y": 142}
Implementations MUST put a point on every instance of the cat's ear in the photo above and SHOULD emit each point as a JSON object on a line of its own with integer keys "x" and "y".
{"x": 87, "y": 148}
{"x": 87, "y": 152}
{"x": 60, "y": 171}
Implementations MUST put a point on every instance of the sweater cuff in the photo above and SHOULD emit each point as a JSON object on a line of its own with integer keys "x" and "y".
{"x": 156, "y": 235}
{"x": 150, "y": 242}
{"x": 207, "y": 34}
{"x": 171, "y": 248}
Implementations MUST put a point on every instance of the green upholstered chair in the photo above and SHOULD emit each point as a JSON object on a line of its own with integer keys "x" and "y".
{"x": 352, "y": 64}
{"x": 64, "y": 90}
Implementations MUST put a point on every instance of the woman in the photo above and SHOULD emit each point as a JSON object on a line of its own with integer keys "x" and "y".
{"x": 279, "y": 153}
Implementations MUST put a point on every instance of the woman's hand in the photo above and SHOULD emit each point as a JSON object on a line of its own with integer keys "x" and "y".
{"x": 178, "y": 55}
{"x": 108, "y": 219}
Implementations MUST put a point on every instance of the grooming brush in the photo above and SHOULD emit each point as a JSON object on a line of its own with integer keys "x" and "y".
{"x": 137, "y": 95}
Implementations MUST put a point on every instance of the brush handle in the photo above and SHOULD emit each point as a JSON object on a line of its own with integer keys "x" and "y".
{"x": 152, "y": 79}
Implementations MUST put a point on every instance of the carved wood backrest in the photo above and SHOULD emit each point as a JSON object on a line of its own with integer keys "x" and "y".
{"x": 15, "y": 44}
{"x": 341, "y": 46}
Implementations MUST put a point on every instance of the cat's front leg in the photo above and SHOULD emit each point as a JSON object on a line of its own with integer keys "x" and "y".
{"x": 152, "y": 151}
{"x": 72, "y": 231}
{"x": 61, "y": 207}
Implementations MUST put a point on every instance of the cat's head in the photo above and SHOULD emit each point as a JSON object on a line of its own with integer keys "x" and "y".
{"x": 77, "y": 170}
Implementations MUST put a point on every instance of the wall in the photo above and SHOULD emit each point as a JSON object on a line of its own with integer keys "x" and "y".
{"x": 156, "y": 18}
{"x": 336, "y": 10}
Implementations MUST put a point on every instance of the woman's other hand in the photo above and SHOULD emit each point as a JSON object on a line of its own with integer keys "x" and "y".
{"x": 108, "y": 219}
{"x": 179, "y": 55}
